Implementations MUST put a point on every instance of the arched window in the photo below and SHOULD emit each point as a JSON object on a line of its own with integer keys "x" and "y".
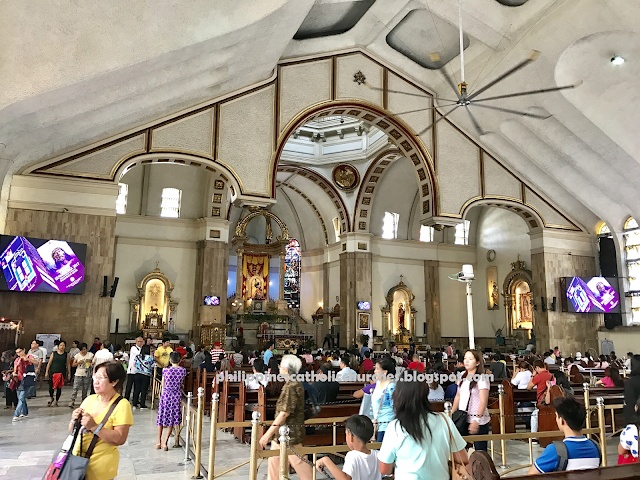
{"x": 603, "y": 229}
{"x": 632, "y": 250}
{"x": 292, "y": 274}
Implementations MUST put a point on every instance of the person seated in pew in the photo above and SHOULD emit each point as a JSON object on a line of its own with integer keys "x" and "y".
{"x": 603, "y": 363}
{"x": 346, "y": 374}
{"x": 360, "y": 463}
{"x": 611, "y": 378}
{"x": 548, "y": 359}
{"x": 539, "y": 381}
{"x": 560, "y": 379}
{"x": 416, "y": 364}
{"x": 306, "y": 356}
{"x": 436, "y": 392}
{"x": 405, "y": 360}
{"x": 570, "y": 362}
{"x": 628, "y": 446}
{"x": 368, "y": 363}
{"x": 207, "y": 364}
{"x": 521, "y": 376}
{"x": 335, "y": 360}
{"x": 627, "y": 362}
{"x": 498, "y": 368}
{"x": 581, "y": 452}
{"x": 259, "y": 377}
{"x": 198, "y": 358}
{"x": 328, "y": 390}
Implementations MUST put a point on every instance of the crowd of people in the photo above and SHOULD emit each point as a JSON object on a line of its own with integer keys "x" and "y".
{"x": 395, "y": 410}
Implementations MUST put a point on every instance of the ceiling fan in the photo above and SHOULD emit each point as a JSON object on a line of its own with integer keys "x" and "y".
{"x": 467, "y": 99}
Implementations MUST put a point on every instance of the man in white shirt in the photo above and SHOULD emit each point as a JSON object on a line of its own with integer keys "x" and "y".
{"x": 627, "y": 362}
{"x": 548, "y": 359}
{"x": 131, "y": 369}
{"x": 345, "y": 374}
{"x": 101, "y": 356}
{"x": 42, "y": 349}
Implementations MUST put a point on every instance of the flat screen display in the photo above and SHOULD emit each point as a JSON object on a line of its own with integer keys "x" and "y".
{"x": 364, "y": 306}
{"x": 41, "y": 265}
{"x": 592, "y": 295}
{"x": 211, "y": 300}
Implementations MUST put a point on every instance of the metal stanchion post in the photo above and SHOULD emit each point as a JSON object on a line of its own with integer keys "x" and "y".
{"x": 284, "y": 458}
{"x": 335, "y": 434}
{"x": 253, "y": 460}
{"x": 603, "y": 431}
{"x": 153, "y": 386}
{"x": 503, "y": 442}
{"x": 215, "y": 398}
{"x": 197, "y": 442}
{"x": 585, "y": 391}
{"x": 315, "y": 472}
{"x": 447, "y": 408}
{"x": 188, "y": 420}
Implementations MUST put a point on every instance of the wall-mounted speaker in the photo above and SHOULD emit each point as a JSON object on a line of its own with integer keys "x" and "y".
{"x": 104, "y": 287}
{"x": 612, "y": 320}
{"x": 117, "y": 324}
{"x": 114, "y": 287}
{"x": 543, "y": 304}
{"x": 424, "y": 331}
{"x": 553, "y": 305}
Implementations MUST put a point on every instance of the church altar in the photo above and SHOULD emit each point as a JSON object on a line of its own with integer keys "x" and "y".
{"x": 285, "y": 341}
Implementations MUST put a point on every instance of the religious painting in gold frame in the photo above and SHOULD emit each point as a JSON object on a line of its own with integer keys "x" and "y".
{"x": 493, "y": 297}
{"x": 363, "y": 320}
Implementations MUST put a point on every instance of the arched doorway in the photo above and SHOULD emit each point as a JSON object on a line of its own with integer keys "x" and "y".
{"x": 517, "y": 292}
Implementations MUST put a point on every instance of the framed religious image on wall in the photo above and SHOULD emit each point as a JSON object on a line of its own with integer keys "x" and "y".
{"x": 363, "y": 320}
{"x": 493, "y": 297}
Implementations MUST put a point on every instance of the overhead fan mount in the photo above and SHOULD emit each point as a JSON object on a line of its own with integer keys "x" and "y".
{"x": 467, "y": 99}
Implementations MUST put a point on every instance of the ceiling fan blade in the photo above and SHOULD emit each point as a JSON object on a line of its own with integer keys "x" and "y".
{"x": 397, "y": 91}
{"x": 441, "y": 118}
{"x": 476, "y": 125}
{"x": 530, "y": 92}
{"x": 450, "y": 82}
{"x": 532, "y": 57}
{"x": 419, "y": 110}
{"x": 508, "y": 110}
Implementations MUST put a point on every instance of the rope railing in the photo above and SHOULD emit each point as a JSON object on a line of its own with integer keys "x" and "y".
{"x": 193, "y": 421}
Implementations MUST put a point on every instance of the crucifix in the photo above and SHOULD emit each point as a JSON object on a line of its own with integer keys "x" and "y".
{"x": 401, "y": 277}
{"x": 157, "y": 264}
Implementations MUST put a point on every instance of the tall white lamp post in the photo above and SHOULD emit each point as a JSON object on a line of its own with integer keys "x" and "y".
{"x": 467, "y": 276}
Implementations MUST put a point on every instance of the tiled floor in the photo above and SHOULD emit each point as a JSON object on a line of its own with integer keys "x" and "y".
{"x": 27, "y": 447}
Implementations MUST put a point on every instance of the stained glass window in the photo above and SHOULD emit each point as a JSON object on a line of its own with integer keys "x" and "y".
{"x": 292, "y": 274}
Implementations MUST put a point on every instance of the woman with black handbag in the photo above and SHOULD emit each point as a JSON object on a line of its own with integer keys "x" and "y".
{"x": 470, "y": 413}
{"x": 105, "y": 417}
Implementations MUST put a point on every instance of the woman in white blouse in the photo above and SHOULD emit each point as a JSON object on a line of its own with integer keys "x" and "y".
{"x": 521, "y": 376}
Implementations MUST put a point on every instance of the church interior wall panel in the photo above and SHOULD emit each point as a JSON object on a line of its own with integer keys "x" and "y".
{"x": 212, "y": 264}
{"x": 252, "y": 114}
{"x": 134, "y": 179}
{"x": 190, "y": 181}
{"x": 302, "y": 85}
{"x": 625, "y": 339}
{"x": 192, "y": 134}
{"x": 458, "y": 169}
{"x": 397, "y": 102}
{"x": 334, "y": 283}
{"x": 311, "y": 282}
{"x": 453, "y": 305}
{"x": 385, "y": 275}
{"x": 500, "y": 182}
{"x": 101, "y": 163}
{"x": 347, "y": 66}
{"x": 73, "y": 316}
{"x": 134, "y": 261}
{"x": 508, "y": 235}
{"x": 153, "y": 229}
{"x": 549, "y": 214}
{"x": 432, "y": 303}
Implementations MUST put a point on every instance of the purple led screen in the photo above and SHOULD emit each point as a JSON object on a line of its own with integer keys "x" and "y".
{"x": 592, "y": 295}
{"x": 37, "y": 265}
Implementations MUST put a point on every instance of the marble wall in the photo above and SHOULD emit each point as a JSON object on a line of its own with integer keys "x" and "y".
{"x": 74, "y": 317}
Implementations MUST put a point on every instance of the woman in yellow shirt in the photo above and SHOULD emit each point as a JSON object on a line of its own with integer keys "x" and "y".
{"x": 108, "y": 379}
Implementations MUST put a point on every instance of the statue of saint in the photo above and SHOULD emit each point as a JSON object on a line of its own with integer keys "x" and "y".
{"x": 494, "y": 295}
{"x": 401, "y": 316}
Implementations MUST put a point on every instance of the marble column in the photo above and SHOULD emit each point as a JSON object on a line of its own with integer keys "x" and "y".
{"x": 432, "y": 303}
{"x": 281, "y": 283}
{"x": 212, "y": 271}
{"x": 550, "y": 261}
{"x": 355, "y": 286}
{"x": 239, "y": 299}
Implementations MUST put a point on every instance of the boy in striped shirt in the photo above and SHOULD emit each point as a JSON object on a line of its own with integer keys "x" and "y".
{"x": 581, "y": 453}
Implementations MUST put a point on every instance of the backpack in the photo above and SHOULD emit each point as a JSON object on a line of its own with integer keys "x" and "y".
{"x": 563, "y": 454}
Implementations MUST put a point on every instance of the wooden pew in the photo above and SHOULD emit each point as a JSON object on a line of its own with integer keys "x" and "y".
{"x": 242, "y": 408}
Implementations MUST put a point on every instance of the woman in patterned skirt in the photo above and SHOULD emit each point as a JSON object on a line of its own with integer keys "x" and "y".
{"x": 169, "y": 411}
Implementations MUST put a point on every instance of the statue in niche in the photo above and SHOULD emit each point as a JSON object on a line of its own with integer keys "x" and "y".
{"x": 494, "y": 294}
{"x": 401, "y": 316}
{"x": 257, "y": 288}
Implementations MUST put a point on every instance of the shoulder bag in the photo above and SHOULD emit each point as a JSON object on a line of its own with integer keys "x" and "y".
{"x": 75, "y": 467}
{"x": 458, "y": 470}
{"x": 459, "y": 417}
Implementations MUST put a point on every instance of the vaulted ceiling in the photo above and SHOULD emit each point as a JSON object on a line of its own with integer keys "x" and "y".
{"x": 74, "y": 74}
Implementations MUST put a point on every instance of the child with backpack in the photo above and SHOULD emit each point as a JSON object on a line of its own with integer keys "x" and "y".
{"x": 360, "y": 463}
{"x": 575, "y": 452}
